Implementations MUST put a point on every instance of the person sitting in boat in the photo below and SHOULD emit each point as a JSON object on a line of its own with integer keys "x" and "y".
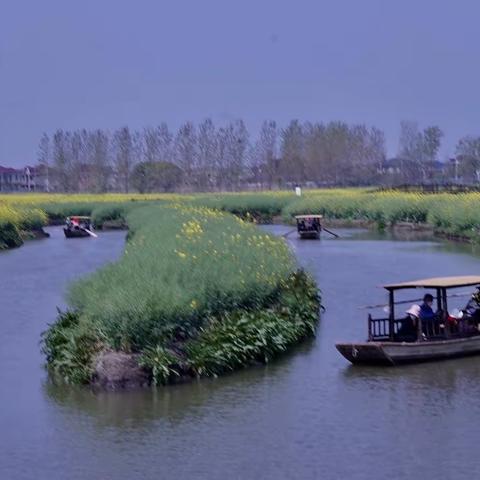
{"x": 471, "y": 313}
{"x": 430, "y": 320}
{"x": 473, "y": 306}
{"x": 408, "y": 330}
{"x": 75, "y": 223}
{"x": 426, "y": 310}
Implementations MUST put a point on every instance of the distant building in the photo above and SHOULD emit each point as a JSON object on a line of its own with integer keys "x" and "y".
{"x": 12, "y": 179}
{"x": 28, "y": 179}
{"x": 401, "y": 170}
{"x": 391, "y": 166}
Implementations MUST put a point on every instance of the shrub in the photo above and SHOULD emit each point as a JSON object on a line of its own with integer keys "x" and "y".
{"x": 70, "y": 348}
{"x": 238, "y": 338}
{"x": 160, "y": 363}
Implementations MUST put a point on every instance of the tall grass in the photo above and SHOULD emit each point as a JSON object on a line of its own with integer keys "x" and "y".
{"x": 16, "y": 220}
{"x": 184, "y": 268}
{"x": 260, "y": 207}
{"x": 180, "y": 264}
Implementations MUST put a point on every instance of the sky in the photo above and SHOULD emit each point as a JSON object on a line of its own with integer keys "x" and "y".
{"x": 109, "y": 63}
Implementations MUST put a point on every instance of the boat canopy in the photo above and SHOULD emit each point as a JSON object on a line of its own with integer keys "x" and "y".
{"x": 437, "y": 282}
{"x": 299, "y": 217}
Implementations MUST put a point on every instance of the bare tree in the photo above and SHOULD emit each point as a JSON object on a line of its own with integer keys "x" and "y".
{"x": 165, "y": 143}
{"x": 44, "y": 157}
{"x": 151, "y": 144}
{"x": 77, "y": 158}
{"x": 61, "y": 160}
{"x": 206, "y": 156}
{"x": 419, "y": 149}
{"x": 100, "y": 161}
{"x": 123, "y": 157}
{"x": 292, "y": 166}
{"x": 185, "y": 152}
{"x": 235, "y": 153}
{"x": 265, "y": 162}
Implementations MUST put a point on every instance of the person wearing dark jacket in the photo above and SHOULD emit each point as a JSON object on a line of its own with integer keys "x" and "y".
{"x": 426, "y": 311}
{"x": 427, "y": 316}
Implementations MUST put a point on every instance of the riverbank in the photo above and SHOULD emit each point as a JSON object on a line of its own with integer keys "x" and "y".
{"x": 214, "y": 295}
{"x": 18, "y": 224}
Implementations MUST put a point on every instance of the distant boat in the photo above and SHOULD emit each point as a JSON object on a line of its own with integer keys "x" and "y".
{"x": 309, "y": 226}
{"x": 394, "y": 341}
{"x": 78, "y": 226}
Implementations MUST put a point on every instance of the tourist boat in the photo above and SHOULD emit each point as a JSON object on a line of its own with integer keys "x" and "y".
{"x": 78, "y": 226}
{"x": 309, "y": 226}
{"x": 391, "y": 342}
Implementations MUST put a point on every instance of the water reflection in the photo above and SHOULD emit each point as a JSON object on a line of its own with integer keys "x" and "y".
{"x": 137, "y": 408}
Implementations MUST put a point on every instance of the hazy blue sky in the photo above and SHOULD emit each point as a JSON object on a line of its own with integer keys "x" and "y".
{"x": 106, "y": 63}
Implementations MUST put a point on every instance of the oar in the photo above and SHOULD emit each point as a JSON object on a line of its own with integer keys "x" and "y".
{"x": 330, "y": 232}
{"x": 94, "y": 235}
{"x": 289, "y": 232}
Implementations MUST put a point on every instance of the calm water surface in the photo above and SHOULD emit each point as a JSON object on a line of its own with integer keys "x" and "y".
{"x": 309, "y": 415}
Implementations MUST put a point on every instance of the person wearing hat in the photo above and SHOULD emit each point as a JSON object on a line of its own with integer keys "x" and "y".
{"x": 414, "y": 312}
{"x": 408, "y": 331}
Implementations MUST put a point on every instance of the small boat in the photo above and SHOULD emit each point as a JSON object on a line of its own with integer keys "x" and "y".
{"x": 78, "y": 226}
{"x": 309, "y": 226}
{"x": 396, "y": 341}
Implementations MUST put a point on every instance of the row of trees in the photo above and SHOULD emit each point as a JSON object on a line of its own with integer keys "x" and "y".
{"x": 417, "y": 159}
{"x": 205, "y": 157}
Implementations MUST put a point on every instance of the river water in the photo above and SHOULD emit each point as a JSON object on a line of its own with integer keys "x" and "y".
{"x": 308, "y": 415}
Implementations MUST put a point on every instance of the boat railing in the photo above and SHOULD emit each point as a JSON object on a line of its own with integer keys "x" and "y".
{"x": 434, "y": 328}
{"x": 379, "y": 328}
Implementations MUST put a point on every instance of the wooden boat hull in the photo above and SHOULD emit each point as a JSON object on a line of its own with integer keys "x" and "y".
{"x": 398, "y": 353}
{"x": 310, "y": 235}
{"x": 75, "y": 233}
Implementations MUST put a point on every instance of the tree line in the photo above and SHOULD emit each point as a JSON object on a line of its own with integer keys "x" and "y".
{"x": 206, "y": 157}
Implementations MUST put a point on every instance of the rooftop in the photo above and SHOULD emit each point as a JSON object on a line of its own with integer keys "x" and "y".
{"x": 437, "y": 282}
